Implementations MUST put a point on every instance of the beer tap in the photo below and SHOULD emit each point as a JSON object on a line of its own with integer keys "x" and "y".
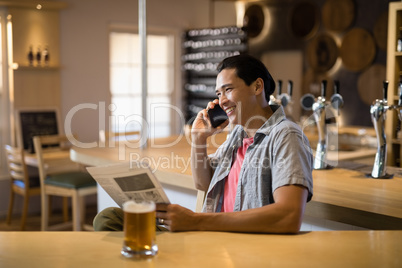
{"x": 319, "y": 116}
{"x": 275, "y": 100}
{"x": 336, "y": 99}
{"x": 320, "y": 110}
{"x": 282, "y": 98}
{"x": 399, "y": 106}
{"x": 286, "y": 98}
{"x": 378, "y": 111}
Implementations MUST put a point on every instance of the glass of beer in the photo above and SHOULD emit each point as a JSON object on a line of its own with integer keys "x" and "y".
{"x": 139, "y": 230}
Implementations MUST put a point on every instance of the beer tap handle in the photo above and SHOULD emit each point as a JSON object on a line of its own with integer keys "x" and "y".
{"x": 336, "y": 99}
{"x": 323, "y": 88}
{"x": 400, "y": 99}
{"x": 400, "y": 92}
{"x": 336, "y": 87}
{"x": 279, "y": 87}
{"x": 290, "y": 88}
{"x": 385, "y": 90}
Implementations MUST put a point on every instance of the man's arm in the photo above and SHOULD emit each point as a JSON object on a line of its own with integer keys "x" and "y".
{"x": 283, "y": 216}
{"x": 200, "y": 166}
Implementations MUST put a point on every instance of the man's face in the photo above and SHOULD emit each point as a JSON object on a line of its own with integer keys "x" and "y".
{"x": 235, "y": 97}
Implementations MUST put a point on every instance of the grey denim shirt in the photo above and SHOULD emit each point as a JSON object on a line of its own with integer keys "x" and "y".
{"x": 279, "y": 155}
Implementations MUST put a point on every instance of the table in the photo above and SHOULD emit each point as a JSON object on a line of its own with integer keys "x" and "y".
{"x": 340, "y": 194}
{"x": 53, "y": 158}
{"x": 56, "y": 156}
{"x": 205, "y": 249}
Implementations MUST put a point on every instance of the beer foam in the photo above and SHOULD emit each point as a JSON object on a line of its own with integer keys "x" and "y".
{"x": 134, "y": 207}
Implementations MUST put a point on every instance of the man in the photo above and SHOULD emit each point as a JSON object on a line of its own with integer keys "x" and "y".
{"x": 261, "y": 177}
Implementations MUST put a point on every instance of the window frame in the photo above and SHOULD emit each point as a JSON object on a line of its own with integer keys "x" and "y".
{"x": 175, "y": 93}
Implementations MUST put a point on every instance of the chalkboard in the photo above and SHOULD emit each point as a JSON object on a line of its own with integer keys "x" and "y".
{"x": 36, "y": 123}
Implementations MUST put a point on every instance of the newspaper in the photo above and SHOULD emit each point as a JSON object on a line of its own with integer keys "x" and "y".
{"x": 125, "y": 181}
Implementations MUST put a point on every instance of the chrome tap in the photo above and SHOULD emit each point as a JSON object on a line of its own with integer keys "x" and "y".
{"x": 275, "y": 100}
{"x": 319, "y": 116}
{"x": 319, "y": 107}
{"x": 399, "y": 106}
{"x": 378, "y": 112}
{"x": 286, "y": 98}
{"x": 282, "y": 98}
{"x": 336, "y": 99}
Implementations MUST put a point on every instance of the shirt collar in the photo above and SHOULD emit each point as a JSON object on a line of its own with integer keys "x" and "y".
{"x": 277, "y": 117}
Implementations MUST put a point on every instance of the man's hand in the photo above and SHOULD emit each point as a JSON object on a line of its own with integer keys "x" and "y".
{"x": 176, "y": 217}
{"x": 201, "y": 128}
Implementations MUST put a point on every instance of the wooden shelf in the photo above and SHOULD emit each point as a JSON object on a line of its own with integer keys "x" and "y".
{"x": 394, "y": 71}
{"x": 44, "y": 5}
{"x": 36, "y": 29}
{"x": 35, "y": 68}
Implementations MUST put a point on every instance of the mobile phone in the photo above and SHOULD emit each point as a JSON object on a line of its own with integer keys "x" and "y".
{"x": 217, "y": 116}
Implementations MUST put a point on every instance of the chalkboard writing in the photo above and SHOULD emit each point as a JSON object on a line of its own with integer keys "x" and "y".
{"x": 36, "y": 123}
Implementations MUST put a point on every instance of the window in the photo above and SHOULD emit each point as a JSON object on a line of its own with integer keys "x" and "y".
{"x": 125, "y": 83}
{"x": 6, "y": 86}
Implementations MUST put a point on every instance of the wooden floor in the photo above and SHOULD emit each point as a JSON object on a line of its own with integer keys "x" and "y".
{"x": 33, "y": 221}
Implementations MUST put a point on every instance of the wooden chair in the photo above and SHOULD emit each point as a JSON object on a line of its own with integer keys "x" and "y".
{"x": 62, "y": 178}
{"x": 21, "y": 182}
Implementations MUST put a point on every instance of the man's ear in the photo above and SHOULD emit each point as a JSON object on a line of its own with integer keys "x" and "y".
{"x": 259, "y": 86}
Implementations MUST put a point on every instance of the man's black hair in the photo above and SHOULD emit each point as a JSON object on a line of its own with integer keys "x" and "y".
{"x": 249, "y": 69}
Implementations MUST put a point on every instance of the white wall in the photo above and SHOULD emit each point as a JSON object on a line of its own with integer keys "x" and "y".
{"x": 85, "y": 48}
{"x": 285, "y": 66}
{"x": 224, "y": 14}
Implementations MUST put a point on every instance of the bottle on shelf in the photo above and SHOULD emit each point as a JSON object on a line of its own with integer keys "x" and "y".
{"x": 45, "y": 55}
{"x": 30, "y": 56}
{"x": 38, "y": 57}
{"x": 399, "y": 42}
{"x": 400, "y": 90}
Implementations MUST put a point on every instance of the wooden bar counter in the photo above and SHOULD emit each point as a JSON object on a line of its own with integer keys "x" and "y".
{"x": 205, "y": 249}
{"x": 350, "y": 197}
{"x": 340, "y": 194}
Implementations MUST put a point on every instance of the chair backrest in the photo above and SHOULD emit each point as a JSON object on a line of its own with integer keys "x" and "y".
{"x": 16, "y": 164}
{"x": 47, "y": 149}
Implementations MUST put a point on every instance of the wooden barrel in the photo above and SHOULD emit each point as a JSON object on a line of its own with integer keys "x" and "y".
{"x": 304, "y": 19}
{"x": 338, "y": 15}
{"x": 254, "y": 20}
{"x": 322, "y": 53}
{"x": 358, "y": 49}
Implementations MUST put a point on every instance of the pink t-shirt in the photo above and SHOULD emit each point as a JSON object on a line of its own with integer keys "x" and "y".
{"x": 232, "y": 180}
